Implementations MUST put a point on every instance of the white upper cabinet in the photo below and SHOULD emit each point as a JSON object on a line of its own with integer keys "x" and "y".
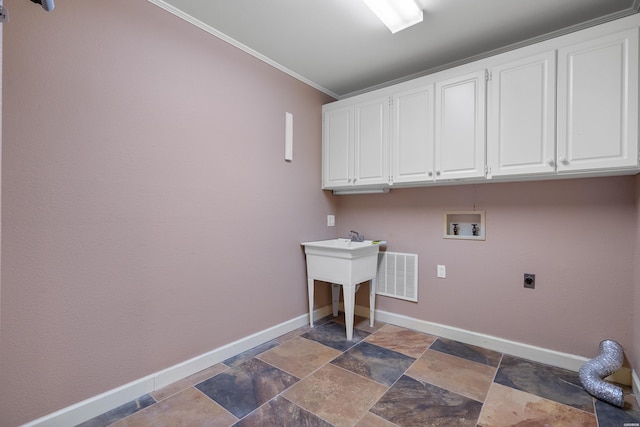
{"x": 598, "y": 103}
{"x": 522, "y": 117}
{"x": 356, "y": 144}
{"x": 412, "y": 123}
{"x": 460, "y": 127}
{"x": 337, "y": 147}
{"x": 371, "y": 142}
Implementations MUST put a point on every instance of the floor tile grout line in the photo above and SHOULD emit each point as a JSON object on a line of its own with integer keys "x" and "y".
{"x": 281, "y": 369}
{"x": 362, "y": 376}
{"x": 493, "y": 382}
{"x": 448, "y": 389}
{"x": 306, "y": 410}
{"x": 281, "y": 394}
{"x": 133, "y": 413}
{"x": 190, "y": 386}
{"x": 225, "y": 409}
{"x": 485, "y": 400}
{"x": 462, "y": 357}
{"x": 257, "y": 356}
{"x": 421, "y": 355}
{"x": 372, "y": 380}
{"x": 387, "y": 386}
{"x": 310, "y": 373}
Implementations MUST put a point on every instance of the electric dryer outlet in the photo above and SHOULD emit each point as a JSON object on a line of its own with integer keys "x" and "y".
{"x": 529, "y": 281}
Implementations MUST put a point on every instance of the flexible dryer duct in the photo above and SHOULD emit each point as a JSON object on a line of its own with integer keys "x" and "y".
{"x": 46, "y": 4}
{"x": 592, "y": 372}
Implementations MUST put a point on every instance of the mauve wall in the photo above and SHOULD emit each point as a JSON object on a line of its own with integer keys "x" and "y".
{"x": 149, "y": 214}
{"x": 577, "y": 236}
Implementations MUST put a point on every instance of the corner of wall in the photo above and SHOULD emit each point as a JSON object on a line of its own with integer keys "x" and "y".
{"x": 635, "y": 356}
{"x": 635, "y": 384}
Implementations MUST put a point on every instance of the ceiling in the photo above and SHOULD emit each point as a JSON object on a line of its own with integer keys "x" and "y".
{"x": 341, "y": 48}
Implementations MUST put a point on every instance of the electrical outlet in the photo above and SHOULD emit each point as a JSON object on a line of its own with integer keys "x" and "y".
{"x": 331, "y": 220}
{"x": 442, "y": 271}
{"x": 529, "y": 281}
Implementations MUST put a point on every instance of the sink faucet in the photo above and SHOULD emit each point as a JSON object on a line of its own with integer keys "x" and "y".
{"x": 355, "y": 236}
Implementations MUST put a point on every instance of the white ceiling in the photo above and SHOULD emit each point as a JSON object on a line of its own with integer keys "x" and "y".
{"x": 341, "y": 48}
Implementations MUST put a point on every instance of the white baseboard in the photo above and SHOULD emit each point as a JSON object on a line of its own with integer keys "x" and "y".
{"x": 635, "y": 385}
{"x": 568, "y": 361}
{"x": 98, "y": 405}
{"x": 537, "y": 354}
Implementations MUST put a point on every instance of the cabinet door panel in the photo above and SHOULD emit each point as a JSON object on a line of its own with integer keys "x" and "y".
{"x": 521, "y": 133}
{"x": 372, "y": 142}
{"x": 413, "y": 133}
{"x": 337, "y": 148}
{"x": 598, "y": 103}
{"x": 460, "y": 127}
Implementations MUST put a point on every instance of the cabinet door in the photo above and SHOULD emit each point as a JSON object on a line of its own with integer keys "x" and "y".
{"x": 337, "y": 148}
{"x": 598, "y": 103}
{"x": 460, "y": 127}
{"x": 371, "y": 145}
{"x": 412, "y": 136}
{"x": 521, "y": 126}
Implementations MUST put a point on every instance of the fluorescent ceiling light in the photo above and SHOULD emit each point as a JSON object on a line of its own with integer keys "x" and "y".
{"x": 396, "y": 14}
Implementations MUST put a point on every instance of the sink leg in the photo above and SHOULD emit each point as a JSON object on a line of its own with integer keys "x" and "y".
{"x": 372, "y": 301}
{"x": 349, "y": 293}
{"x": 310, "y": 283}
{"x": 335, "y": 298}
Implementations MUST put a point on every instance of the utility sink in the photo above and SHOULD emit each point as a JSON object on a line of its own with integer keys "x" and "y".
{"x": 345, "y": 263}
{"x": 341, "y": 245}
{"x": 341, "y": 260}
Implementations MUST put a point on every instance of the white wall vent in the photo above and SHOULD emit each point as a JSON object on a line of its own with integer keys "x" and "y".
{"x": 397, "y": 275}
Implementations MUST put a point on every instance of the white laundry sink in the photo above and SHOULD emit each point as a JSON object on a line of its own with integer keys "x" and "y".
{"x": 340, "y": 243}
{"x": 341, "y": 260}
{"x": 346, "y": 263}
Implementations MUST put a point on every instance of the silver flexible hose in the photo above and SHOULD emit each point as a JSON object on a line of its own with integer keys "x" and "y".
{"x": 605, "y": 364}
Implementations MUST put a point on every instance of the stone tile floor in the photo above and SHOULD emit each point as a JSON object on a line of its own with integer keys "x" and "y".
{"x": 386, "y": 376}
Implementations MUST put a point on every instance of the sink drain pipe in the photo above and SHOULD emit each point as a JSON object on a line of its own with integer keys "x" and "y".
{"x": 605, "y": 364}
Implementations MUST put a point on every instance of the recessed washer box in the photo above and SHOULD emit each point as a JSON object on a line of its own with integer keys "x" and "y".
{"x": 464, "y": 225}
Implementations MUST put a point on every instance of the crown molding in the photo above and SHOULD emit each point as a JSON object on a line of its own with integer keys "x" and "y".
{"x": 222, "y": 36}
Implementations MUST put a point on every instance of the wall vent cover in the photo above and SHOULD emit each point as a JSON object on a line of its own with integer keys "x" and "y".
{"x": 397, "y": 275}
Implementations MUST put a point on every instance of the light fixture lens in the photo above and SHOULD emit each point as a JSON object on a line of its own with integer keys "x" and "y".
{"x": 396, "y": 14}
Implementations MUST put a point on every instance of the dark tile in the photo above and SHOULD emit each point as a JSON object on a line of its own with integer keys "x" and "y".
{"x": 560, "y": 385}
{"x": 281, "y": 413}
{"x": 414, "y": 403}
{"x": 242, "y": 389}
{"x": 251, "y": 353}
{"x": 377, "y": 363}
{"x": 334, "y": 335}
{"x": 609, "y": 415}
{"x": 326, "y": 319}
{"x": 467, "y": 351}
{"x": 120, "y": 412}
